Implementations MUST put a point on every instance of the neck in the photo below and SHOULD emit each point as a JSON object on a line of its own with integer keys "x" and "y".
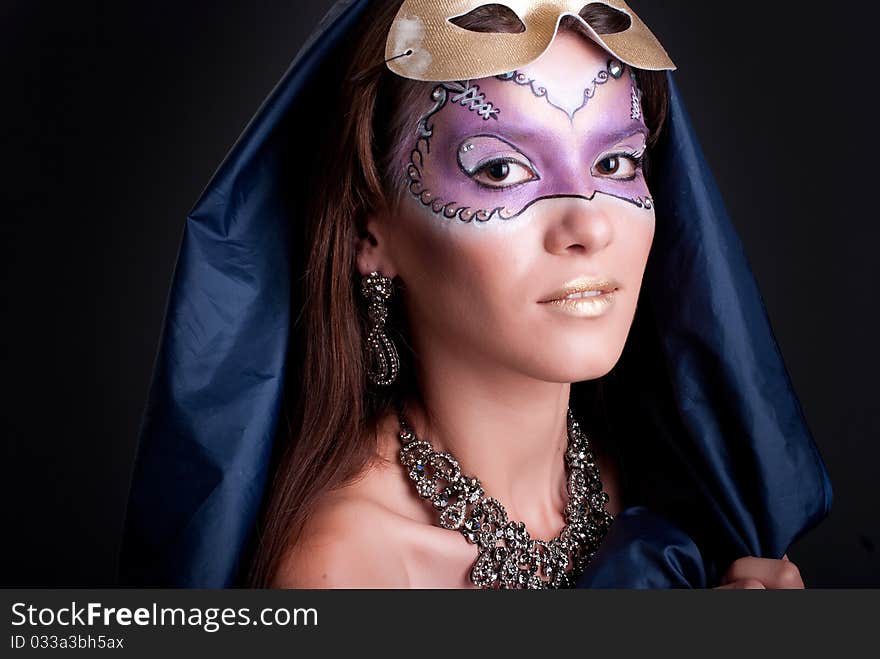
{"x": 505, "y": 429}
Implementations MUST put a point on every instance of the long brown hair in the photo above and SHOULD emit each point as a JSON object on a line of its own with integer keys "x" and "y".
{"x": 331, "y": 435}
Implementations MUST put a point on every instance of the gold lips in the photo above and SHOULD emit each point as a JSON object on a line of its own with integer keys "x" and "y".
{"x": 583, "y": 285}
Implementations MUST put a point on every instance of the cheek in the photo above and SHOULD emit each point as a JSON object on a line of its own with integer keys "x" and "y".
{"x": 628, "y": 258}
{"x": 648, "y": 239}
{"x": 469, "y": 282}
{"x": 639, "y": 236}
{"x": 634, "y": 237}
{"x": 454, "y": 269}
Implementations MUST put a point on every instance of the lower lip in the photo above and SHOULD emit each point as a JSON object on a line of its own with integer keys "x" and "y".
{"x": 584, "y": 307}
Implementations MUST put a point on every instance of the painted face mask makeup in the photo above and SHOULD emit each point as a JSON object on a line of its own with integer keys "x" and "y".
{"x": 493, "y": 148}
{"x": 484, "y": 151}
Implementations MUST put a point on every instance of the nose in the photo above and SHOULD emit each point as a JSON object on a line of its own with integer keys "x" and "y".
{"x": 579, "y": 226}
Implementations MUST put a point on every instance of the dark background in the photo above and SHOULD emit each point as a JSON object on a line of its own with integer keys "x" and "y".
{"x": 115, "y": 115}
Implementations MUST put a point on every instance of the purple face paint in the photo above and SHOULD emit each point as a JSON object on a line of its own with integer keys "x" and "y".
{"x": 497, "y": 163}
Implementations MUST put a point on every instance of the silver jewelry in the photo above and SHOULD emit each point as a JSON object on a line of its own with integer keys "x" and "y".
{"x": 509, "y": 558}
{"x": 383, "y": 362}
{"x": 615, "y": 68}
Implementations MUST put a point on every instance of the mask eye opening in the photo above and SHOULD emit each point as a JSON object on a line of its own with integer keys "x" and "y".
{"x": 491, "y": 18}
{"x": 605, "y": 19}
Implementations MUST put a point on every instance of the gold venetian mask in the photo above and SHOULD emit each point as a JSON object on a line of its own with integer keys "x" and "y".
{"x": 424, "y": 42}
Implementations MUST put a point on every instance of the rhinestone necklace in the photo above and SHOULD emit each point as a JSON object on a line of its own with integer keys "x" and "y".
{"x": 509, "y": 558}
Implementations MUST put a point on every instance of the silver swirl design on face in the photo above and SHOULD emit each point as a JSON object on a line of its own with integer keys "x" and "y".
{"x": 469, "y": 97}
{"x": 453, "y": 209}
{"x": 448, "y": 209}
{"x": 465, "y": 94}
{"x": 613, "y": 71}
{"x": 636, "y": 95}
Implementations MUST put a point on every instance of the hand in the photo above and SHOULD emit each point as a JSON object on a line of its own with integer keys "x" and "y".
{"x": 762, "y": 573}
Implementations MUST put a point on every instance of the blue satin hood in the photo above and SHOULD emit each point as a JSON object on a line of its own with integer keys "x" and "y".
{"x": 717, "y": 457}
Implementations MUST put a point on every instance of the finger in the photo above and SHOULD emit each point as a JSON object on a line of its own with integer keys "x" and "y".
{"x": 774, "y": 574}
{"x": 743, "y": 584}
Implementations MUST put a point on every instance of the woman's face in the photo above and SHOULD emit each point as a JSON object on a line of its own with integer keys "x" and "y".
{"x": 521, "y": 187}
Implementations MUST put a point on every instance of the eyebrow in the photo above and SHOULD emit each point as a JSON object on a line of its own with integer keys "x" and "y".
{"x": 519, "y": 135}
{"x": 627, "y": 132}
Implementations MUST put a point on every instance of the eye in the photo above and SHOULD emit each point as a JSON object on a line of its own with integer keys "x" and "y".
{"x": 620, "y": 166}
{"x": 503, "y": 173}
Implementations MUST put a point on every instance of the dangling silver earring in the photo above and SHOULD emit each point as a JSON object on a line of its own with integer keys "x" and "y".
{"x": 383, "y": 362}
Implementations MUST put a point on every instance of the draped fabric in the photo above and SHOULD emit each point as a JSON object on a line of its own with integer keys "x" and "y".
{"x": 717, "y": 455}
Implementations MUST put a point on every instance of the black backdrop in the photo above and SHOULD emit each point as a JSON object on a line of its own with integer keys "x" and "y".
{"x": 115, "y": 115}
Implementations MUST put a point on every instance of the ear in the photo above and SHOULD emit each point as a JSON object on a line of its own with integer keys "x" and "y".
{"x": 374, "y": 248}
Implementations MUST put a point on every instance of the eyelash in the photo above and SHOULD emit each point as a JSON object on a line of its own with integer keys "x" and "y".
{"x": 637, "y": 158}
{"x": 490, "y": 163}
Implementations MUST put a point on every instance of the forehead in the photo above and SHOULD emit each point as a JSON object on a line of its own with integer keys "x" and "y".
{"x": 556, "y": 94}
{"x": 571, "y": 61}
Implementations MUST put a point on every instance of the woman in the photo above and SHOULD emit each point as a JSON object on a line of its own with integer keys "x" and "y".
{"x": 462, "y": 211}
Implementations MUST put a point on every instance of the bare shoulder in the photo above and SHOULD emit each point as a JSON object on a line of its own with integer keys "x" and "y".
{"x": 377, "y": 533}
{"x": 348, "y": 543}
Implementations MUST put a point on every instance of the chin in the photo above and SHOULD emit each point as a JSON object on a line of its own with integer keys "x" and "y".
{"x": 578, "y": 364}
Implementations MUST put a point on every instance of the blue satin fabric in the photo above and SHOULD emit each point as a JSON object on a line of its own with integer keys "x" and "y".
{"x": 207, "y": 434}
{"x": 643, "y": 550}
{"x": 717, "y": 457}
